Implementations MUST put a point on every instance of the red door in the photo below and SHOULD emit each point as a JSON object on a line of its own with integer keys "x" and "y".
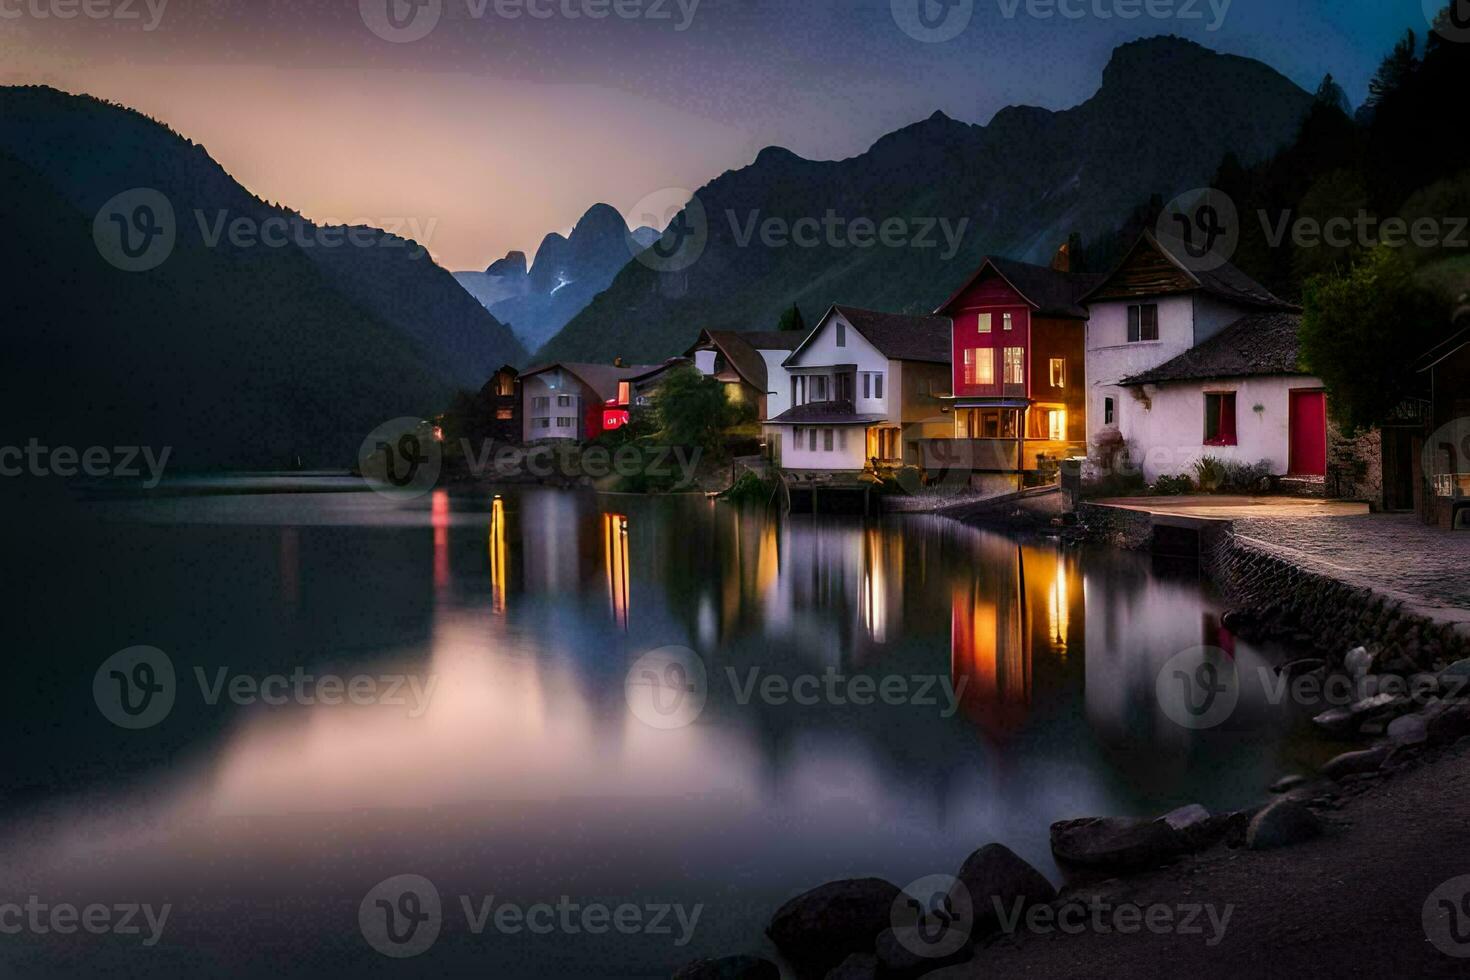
{"x": 1308, "y": 433}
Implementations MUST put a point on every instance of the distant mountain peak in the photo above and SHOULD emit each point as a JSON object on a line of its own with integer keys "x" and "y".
{"x": 512, "y": 266}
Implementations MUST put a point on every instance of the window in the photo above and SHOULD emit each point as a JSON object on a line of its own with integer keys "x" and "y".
{"x": 563, "y": 422}
{"x": 1220, "y": 418}
{"x": 1006, "y": 321}
{"x": 625, "y": 393}
{"x": 1056, "y": 425}
{"x": 1108, "y": 411}
{"x": 867, "y": 385}
{"x": 1143, "y": 322}
{"x": 796, "y": 434}
{"x": 563, "y": 401}
{"x": 1015, "y": 365}
{"x": 1058, "y": 372}
{"x": 985, "y": 322}
{"x": 543, "y": 423}
{"x": 505, "y": 414}
{"x": 877, "y": 386}
{"x": 980, "y": 366}
{"x": 505, "y": 384}
{"x": 826, "y": 440}
{"x": 811, "y": 445}
{"x": 819, "y": 387}
{"x": 841, "y": 334}
{"x": 541, "y": 403}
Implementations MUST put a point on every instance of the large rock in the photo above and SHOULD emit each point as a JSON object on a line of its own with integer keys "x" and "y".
{"x": 1282, "y": 823}
{"x": 1288, "y": 782}
{"x": 994, "y": 874}
{"x": 1358, "y": 661}
{"x": 1338, "y": 722}
{"x": 858, "y": 966}
{"x": 819, "y": 928}
{"x": 1115, "y": 843}
{"x": 729, "y": 968}
{"x": 1355, "y": 763}
{"x": 1408, "y": 730}
{"x": 898, "y": 960}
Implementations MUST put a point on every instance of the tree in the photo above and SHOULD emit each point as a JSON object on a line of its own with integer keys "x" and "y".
{"x": 692, "y": 409}
{"x": 1361, "y": 331}
{"x": 1395, "y": 71}
{"x": 1329, "y": 93}
{"x": 792, "y": 320}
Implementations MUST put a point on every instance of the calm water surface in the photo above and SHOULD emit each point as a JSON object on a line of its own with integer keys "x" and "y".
{"x": 524, "y": 775}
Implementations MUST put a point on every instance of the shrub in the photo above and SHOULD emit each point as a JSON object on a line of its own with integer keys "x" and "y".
{"x": 1247, "y": 477}
{"x": 1173, "y": 486}
{"x": 1209, "y": 473}
{"x": 749, "y": 489}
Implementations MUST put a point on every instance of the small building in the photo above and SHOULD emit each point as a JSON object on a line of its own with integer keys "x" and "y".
{"x": 500, "y": 406}
{"x": 635, "y": 394}
{"x": 1442, "y": 472}
{"x": 863, "y": 387}
{"x": 1239, "y": 396}
{"x": 568, "y": 400}
{"x": 749, "y": 364}
{"x": 1019, "y": 372}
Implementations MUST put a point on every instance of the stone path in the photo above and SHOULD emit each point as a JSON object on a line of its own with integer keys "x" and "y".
{"x": 1426, "y": 568}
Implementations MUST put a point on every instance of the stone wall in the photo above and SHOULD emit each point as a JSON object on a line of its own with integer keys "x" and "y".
{"x": 1355, "y": 466}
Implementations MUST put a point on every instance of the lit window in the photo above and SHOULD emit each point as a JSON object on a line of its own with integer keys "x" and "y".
{"x": 985, "y": 322}
{"x": 1015, "y": 369}
{"x": 505, "y": 414}
{"x": 625, "y": 393}
{"x": 1058, "y": 372}
{"x": 1006, "y": 321}
{"x": 1143, "y": 322}
{"x": 1220, "y": 419}
{"x": 1057, "y": 425}
{"x": 505, "y": 384}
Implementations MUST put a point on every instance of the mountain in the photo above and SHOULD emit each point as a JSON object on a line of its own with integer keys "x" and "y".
{"x": 237, "y": 349}
{"x": 566, "y": 273}
{"x": 1167, "y": 112}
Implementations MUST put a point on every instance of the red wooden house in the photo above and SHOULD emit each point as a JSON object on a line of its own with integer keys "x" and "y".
{"x": 1019, "y": 349}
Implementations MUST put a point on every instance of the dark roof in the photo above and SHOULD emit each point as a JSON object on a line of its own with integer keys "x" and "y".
{"x": 824, "y": 413}
{"x": 654, "y": 372}
{"x": 774, "y": 339}
{"x": 601, "y": 378}
{"x": 1052, "y": 293}
{"x": 740, "y": 355}
{"x": 901, "y": 336}
{"x": 1224, "y": 282}
{"x": 1261, "y": 343}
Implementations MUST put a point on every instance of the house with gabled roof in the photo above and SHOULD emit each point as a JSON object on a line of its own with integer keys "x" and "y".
{"x": 747, "y": 363}
{"x": 569, "y": 400}
{"x": 864, "y": 387}
{"x": 1019, "y": 372}
{"x": 1188, "y": 358}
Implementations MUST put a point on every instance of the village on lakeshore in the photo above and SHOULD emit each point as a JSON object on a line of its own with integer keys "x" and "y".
{"x": 1169, "y": 374}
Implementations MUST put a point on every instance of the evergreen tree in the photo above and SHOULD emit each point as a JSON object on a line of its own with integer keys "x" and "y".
{"x": 792, "y": 320}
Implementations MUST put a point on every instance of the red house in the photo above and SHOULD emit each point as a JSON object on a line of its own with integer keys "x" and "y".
{"x": 1019, "y": 349}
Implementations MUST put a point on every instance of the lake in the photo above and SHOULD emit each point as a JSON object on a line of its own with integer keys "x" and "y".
{"x": 440, "y": 688}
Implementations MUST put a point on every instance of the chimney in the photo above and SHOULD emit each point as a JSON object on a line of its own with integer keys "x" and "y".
{"x": 617, "y": 362}
{"x": 1062, "y": 261}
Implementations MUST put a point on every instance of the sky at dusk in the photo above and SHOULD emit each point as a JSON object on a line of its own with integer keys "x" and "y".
{"x": 498, "y": 126}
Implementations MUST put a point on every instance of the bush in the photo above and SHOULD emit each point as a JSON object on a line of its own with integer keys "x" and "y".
{"x": 1173, "y": 486}
{"x": 1247, "y": 477}
{"x": 749, "y": 489}
{"x": 1209, "y": 473}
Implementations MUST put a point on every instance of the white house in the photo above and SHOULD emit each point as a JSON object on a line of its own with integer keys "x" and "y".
{"x": 1171, "y": 348}
{"x": 576, "y": 401}
{"x": 862, "y": 386}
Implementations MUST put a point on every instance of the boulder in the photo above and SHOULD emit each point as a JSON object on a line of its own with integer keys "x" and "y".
{"x": 819, "y": 928}
{"x": 1115, "y": 843}
{"x": 1286, "y": 783}
{"x": 1355, "y": 763}
{"x": 1282, "y": 823}
{"x": 858, "y": 966}
{"x": 1357, "y": 661}
{"x": 994, "y": 874}
{"x": 1338, "y": 722}
{"x": 729, "y": 968}
{"x": 1186, "y": 818}
{"x": 901, "y": 961}
{"x": 1408, "y": 730}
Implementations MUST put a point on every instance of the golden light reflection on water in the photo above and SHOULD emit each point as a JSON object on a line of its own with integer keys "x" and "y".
{"x": 615, "y": 563}
{"x": 498, "y": 556}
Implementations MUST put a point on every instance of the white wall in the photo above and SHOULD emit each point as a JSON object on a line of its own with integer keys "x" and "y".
{"x": 778, "y": 382}
{"x": 1168, "y": 437}
{"x": 849, "y": 447}
{"x": 704, "y": 361}
{"x": 551, "y": 385}
{"x": 823, "y": 351}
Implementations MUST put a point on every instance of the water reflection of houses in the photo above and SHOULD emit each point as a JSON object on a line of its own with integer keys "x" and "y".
{"x": 1022, "y": 601}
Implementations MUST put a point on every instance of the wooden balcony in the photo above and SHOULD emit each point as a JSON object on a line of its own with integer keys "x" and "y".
{"x": 992, "y": 455}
